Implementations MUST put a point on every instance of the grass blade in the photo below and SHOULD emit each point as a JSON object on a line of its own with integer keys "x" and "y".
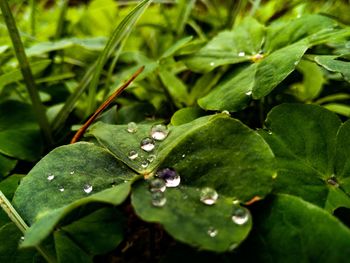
{"x": 119, "y": 34}
{"x": 26, "y": 71}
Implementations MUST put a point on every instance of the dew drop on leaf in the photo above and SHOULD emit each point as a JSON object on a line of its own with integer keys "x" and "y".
{"x": 212, "y": 232}
{"x": 159, "y": 132}
{"x": 240, "y": 215}
{"x": 61, "y": 188}
{"x": 241, "y": 54}
{"x": 132, "y": 127}
{"x": 50, "y": 177}
{"x": 333, "y": 181}
{"x": 212, "y": 64}
{"x": 170, "y": 176}
{"x": 226, "y": 112}
{"x": 132, "y": 155}
{"x": 158, "y": 199}
{"x": 208, "y": 196}
{"x": 144, "y": 164}
{"x": 87, "y": 188}
{"x": 151, "y": 158}
{"x": 71, "y": 173}
{"x": 249, "y": 93}
{"x": 183, "y": 156}
{"x": 147, "y": 144}
{"x": 157, "y": 185}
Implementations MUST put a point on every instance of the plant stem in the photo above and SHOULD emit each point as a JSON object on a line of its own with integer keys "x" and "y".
{"x": 21, "y": 225}
{"x": 32, "y": 17}
{"x": 61, "y": 19}
{"x": 26, "y": 71}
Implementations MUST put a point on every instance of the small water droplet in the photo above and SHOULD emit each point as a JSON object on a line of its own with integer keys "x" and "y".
{"x": 333, "y": 181}
{"x": 132, "y": 127}
{"x": 269, "y": 132}
{"x": 156, "y": 185}
{"x": 235, "y": 202}
{"x": 212, "y": 232}
{"x": 61, "y": 188}
{"x": 71, "y": 173}
{"x": 147, "y": 144}
{"x": 183, "y": 156}
{"x": 50, "y": 177}
{"x": 22, "y": 238}
{"x": 240, "y": 215}
{"x": 158, "y": 199}
{"x": 241, "y": 54}
{"x": 212, "y": 64}
{"x": 87, "y": 188}
{"x": 296, "y": 63}
{"x": 144, "y": 164}
{"x": 151, "y": 158}
{"x": 249, "y": 93}
{"x": 233, "y": 246}
{"x": 208, "y": 196}
{"x": 226, "y": 112}
{"x": 170, "y": 176}
{"x": 159, "y": 132}
{"x": 274, "y": 176}
{"x": 132, "y": 155}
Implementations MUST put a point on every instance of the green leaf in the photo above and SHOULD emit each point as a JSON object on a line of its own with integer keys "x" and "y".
{"x": 341, "y": 109}
{"x": 63, "y": 174}
{"x": 215, "y": 151}
{"x": 186, "y": 115}
{"x": 307, "y": 141}
{"x": 10, "y": 238}
{"x": 289, "y": 228}
{"x": 19, "y": 133}
{"x": 176, "y": 46}
{"x": 190, "y": 221}
{"x": 9, "y": 185}
{"x": 42, "y": 228}
{"x": 332, "y": 64}
{"x": 6, "y": 165}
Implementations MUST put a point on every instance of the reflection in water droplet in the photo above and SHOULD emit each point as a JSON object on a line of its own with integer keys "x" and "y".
{"x": 87, "y": 188}
{"x": 241, "y": 54}
{"x": 71, "y": 173}
{"x": 249, "y": 93}
{"x": 50, "y": 177}
{"x": 158, "y": 199}
{"x": 132, "y": 155}
{"x": 151, "y": 158}
{"x": 132, "y": 127}
{"x": 157, "y": 184}
{"x": 144, "y": 164}
{"x": 61, "y": 188}
{"x": 147, "y": 144}
{"x": 240, "y": 215}
{"x": 212, "y": 232}
{"x": 170, "y": 176}
{"x": 159, "y": 132}
{"x": 208, "y": 196}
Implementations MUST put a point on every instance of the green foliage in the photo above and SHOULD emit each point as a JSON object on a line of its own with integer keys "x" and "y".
{"x": 214, "y": 71}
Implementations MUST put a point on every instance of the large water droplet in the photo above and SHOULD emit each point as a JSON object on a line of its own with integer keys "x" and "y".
{"x": 208, "y": 196}
{"x": 170, "y": 176}
{"x": 50, "y": 177}
{"x": 151, "y": 158}
{"x": 158, "y": 199}
{"x": 61, "y": 188}
{"x": 159, "y": 132}
{"x": 132, "y": 155}
{"x": 156, "y": 185}
{"x": 132, "y": 127}
{"x": 241, "y": 54}
{"x": 87, "y": 188}
{"x": 240, "y": 215}
{"x": 147, "y": 144}
{"x": 212, "y": 232}
{"x": 144, "y": 164}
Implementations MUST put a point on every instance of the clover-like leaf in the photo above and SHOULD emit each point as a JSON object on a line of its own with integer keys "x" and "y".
{"x": 312, "y": 157}
{"x": 288, "y": 228}
{"x": 6, "y": 165}
{"x": 332, "y": 63}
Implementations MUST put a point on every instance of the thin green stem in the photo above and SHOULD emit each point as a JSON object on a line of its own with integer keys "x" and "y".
{"x": 32, "y": 16}
{"x": 21, "y": 225}
{"x": 61, "y": 18}
{"x": 28, "y": 78}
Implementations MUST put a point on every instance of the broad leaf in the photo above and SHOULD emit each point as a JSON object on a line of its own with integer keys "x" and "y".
{"x": 309, "y": 142}
{"x": 289, "y": 228}
{"x": 6, "y": 165}
{"x": 186, "y": 115}
{"x": 331, "y": 63}
{"x": 19, "y": 132}
{"x": 9, "y": 185}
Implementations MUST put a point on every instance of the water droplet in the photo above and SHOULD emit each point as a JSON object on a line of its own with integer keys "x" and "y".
{"x": 147, "y": 144}
{"x": 333, "y": 181}
{"x": 208, "y": 196}
{"x": 212, "y": 232}
{"x": 87, "y": 188}
{"x": 240, "y": 215}
{"x": 50, "y": 177}
{"x": 233, "y": 246}
{"x": 151, "y": 158}
{"x": 170, "y": 176}
{"x": 159, "y": 132}
{"x": 274, "y": 176}
{"x": 296, "y": 63}
{"x": 212, "y": 64}
{"x": 183, "y": 156}
{"x": 71, "y": 173}
{"x": 269, "y": 132}
{"x": 132, "y": 155}
{"x": 241, "y": 54}
{"x": 249, "y": 93}
{"x": 156, "y": 185}
{"x": 257, "y": 57}
{"x": 144, "y": 164}
{"x": 61, "y": 188}
{"x": 132, "y": 127}
{"x": 158, "y": 199}
{"x": 226, "y": 112}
